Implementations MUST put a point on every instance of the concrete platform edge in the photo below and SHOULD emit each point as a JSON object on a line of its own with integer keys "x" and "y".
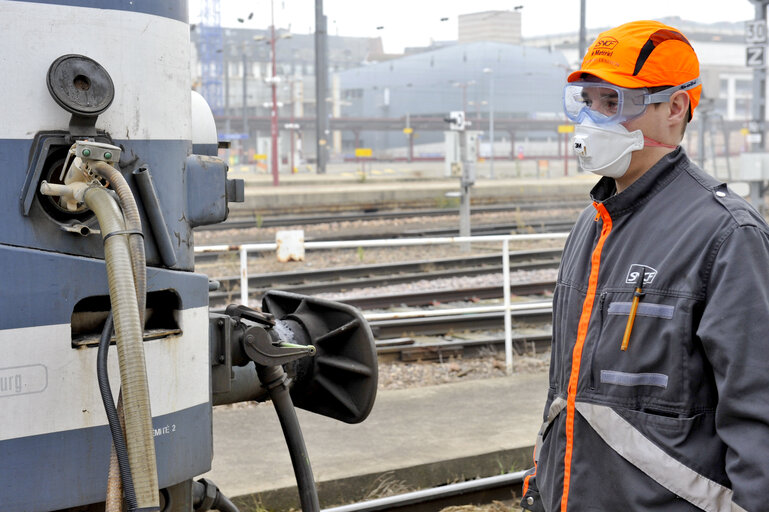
{"x": 347, "y": 490}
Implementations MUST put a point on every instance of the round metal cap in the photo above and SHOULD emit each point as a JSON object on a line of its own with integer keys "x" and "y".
{"x": 80, "y": 85}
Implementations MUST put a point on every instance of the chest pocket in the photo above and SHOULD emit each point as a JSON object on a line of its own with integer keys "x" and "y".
{"x": 651, "y": 373}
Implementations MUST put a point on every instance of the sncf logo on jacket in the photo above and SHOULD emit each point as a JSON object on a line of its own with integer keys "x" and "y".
{"x": 635, "y": 271}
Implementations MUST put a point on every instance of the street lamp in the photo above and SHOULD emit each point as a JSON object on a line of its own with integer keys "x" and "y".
{"x": 463, "y": 86}
{"x": 490, "y": 72}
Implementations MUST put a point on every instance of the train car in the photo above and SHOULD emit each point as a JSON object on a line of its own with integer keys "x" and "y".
{"x": 111, "y": 360}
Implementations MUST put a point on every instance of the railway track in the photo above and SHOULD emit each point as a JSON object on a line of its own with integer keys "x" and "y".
{"x": 549, "y": 226}
{"x": 534, "y": 226}
{"x": 255, "y": 221}
{"x": 394, "y": 331}
{"x": 481, "y": 490}
{"x": 533, "y": 312}
{"x": 333, "y": 280}
{"x": 459, "y": 295}
{"x": 406, "y": 349}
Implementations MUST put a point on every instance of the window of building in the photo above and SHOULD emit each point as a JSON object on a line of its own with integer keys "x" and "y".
{"x": 743, "y": 87}
{"x": 350, "y": 94}
{"x": 742, "y": 108}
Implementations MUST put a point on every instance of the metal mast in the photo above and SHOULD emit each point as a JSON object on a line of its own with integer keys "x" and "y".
{"x": 321, "y": 86}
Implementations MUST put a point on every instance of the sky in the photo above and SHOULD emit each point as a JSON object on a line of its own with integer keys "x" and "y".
{"x": 403, "y": 23}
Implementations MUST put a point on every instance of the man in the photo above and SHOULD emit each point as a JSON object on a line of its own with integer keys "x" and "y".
{"x": 659, "y": 375}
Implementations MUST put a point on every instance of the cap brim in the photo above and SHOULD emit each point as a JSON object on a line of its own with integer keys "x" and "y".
{"x": 621, "y": 81}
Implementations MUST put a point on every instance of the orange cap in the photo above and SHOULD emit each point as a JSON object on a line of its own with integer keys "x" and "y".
{"x": 642, "y": 54}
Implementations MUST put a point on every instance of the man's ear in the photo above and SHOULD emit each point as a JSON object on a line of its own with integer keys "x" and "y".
{"x": 679, "y": 108}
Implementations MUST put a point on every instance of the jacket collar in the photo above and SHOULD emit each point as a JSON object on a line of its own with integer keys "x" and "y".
{"x": 653, "y": 180}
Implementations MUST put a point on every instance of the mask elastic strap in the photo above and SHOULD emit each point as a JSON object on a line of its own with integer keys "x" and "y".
{"x": 651, "y": 143}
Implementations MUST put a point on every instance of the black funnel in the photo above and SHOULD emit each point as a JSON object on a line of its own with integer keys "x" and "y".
{"x": 340, "y": 381}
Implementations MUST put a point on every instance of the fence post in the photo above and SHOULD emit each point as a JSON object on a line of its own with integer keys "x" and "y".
{"x": 506, "y": 295}
{"x": 243, "y": 276}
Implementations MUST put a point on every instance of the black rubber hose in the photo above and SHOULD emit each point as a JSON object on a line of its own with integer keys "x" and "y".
{"x": 112, "y": 417}
{"x": 223, "y": 504}
{"x": 274, "y": 378}
{"x": 202, "y": 503}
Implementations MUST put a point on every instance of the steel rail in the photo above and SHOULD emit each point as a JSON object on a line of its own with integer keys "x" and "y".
{"x": 423, "y": 298}
{"x": 429, "y": 275}
{"x": 391, "y": 269}
{"x": 250, "y": 221}
{"x": 373, "y": 301}
{"x": 481, "y": 490}
{"x": 437, "y": 322}
{"x": 442, "y": 323}
{"x": 404, "y": 349}
{"x": 442, "y": 296}
{"x": 550, "y": 226}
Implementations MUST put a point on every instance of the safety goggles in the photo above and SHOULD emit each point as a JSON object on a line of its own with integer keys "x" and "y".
{"x": 605, "y": 103}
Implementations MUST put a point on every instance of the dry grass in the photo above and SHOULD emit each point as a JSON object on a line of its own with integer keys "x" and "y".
{"x": 496, "y": 506}
{"x": 386, "y": 485}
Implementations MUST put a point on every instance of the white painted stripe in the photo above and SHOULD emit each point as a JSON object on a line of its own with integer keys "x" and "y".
{"x": 634, "y": 447}
{"x": 147, "y": 57}
{"x": 57, "y": 386}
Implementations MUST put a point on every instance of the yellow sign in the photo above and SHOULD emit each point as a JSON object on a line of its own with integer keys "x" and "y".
{"x": 408, "y": 131}
{"x": 260, "y": 156}
{"x": 362, "y": 152}
{"x": 744, "y": 131}
{"x": 565, "y": 128}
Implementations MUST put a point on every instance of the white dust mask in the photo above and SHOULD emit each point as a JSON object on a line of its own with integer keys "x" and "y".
{"x": 605, "y": 149}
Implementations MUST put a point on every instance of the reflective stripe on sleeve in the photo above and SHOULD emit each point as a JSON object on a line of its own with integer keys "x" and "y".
{"x": 634, "y": 447}
{"x": 558, "y": 405}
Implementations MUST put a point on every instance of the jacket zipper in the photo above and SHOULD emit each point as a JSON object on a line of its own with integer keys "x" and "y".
{"x": 576, "y": 357}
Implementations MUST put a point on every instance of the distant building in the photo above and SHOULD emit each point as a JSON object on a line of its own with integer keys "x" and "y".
{"x": 527, "y": 84}
{"x": 496, "y": 26}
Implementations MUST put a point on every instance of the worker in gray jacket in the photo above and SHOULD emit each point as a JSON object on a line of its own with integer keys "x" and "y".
{"x": 659, "y": 374}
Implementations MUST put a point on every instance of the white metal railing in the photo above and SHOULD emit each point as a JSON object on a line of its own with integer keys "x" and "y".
{"x": 244, "y": 249}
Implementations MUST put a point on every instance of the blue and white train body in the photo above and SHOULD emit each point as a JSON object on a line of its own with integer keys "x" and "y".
{"x": 54, "y": 436}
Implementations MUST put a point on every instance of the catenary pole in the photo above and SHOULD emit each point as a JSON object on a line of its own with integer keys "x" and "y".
{"x": 321, "y": 85}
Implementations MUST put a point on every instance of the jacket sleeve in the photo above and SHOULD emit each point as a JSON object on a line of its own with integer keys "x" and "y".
{"x": 734, "y": 330}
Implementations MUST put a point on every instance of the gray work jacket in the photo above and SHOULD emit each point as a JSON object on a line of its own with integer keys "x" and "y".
{"x": 679, "y": 421}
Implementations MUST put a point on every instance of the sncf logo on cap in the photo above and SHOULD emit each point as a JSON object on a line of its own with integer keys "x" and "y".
{"x": 607, "y": 43}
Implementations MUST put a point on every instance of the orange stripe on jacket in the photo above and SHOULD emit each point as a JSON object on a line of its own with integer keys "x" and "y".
{"x": 576, "y": 356}
{"x": 528, "y": 477}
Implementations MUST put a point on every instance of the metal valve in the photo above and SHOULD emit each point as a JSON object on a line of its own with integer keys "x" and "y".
{"x": 263, "y": 343}
{"x": 88, "y": 150}
{"x": 262, "y": 350}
